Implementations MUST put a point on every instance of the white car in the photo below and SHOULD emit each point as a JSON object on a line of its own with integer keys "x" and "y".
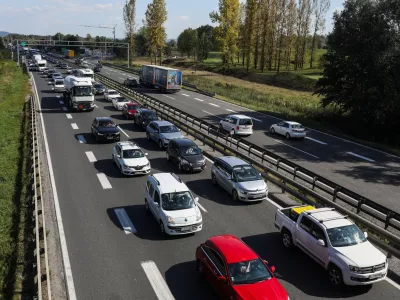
{"x": 289, "y": 129}
{"x": 172, "y": 204}
{"x": 110, "y": 94}
{"x": 119, "y": 102}
{"x": 130, "y": 159}
{"x": 56, "y": 75}
{"x": 237, "y": 124}
{"x": 59, "y": 85}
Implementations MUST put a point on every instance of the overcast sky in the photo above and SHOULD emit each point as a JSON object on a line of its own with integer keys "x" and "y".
{"x": 47, "y": 17}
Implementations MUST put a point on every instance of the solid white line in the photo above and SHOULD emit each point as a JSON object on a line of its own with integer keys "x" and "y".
{"x": 211, "y": 114}
{"x": 125, "y": 221}
{"x": 397, "y": 286}
{"x": 214, "y": 104}
{"x": 360, "y": 156}
{"x": 61, "y": 102}
{"x": 201, "y": 100}
{"x": 274, "y": 203}
{"x": 169, "y": 97}
{"x": 58, "y": 96}
{"x": 201, "y": 207}
{"x": 297, "y": 149}
{"x": 123, "y": 132}
{"x": 69, "y": 116}
{"x": 158, "y": 283}
{"x": 255, "y": 119}
{"x": 74, "y": 126}
{"x": 107, "y": 72}
{"x": 64, "y": 249}
{"x": 96, "y": 106}
{"x": 317, "y": 141}
{"x": 64, "y": 108}
{"x": 231, "y": 110}
{"x": 208, "y": 159}
{"x": 104, "y": 181}
{"x": 81, "y": 139}
{"x": 186, "y": 95}
{"x": 90, "y": 156}
{"x": 121, "y": 78}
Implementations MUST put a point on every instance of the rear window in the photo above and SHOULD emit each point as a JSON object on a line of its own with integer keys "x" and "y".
{"x": 59, "y": 82}
{"x": 297, "y": 126}
{"x": 245, "y": 121}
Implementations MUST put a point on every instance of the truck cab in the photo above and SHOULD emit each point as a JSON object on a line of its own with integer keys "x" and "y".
{"x": 78, "y": 93}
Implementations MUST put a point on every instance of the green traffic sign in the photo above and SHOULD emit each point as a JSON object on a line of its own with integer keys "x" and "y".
{"x": 23, "y": 44}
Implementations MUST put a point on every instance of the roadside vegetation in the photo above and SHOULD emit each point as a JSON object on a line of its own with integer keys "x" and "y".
{"x": 14, "y": 124}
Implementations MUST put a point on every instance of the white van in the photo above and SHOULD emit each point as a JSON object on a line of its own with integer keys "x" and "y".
{"x": 237, "y": 124}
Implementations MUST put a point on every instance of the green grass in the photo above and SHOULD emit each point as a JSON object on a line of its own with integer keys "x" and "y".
{"x": 13, "y": 179}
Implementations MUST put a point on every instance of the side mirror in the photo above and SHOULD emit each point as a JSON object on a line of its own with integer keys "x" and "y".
{"x": 146, "y": 154}
{"x": 265, "y": 261}
{"x": 157, "y": 204}
{"x": 196, "y": 199}
{"x": 321, "y": 243}
{"x": 272, "y": 268}
{"x": 222, "y": 278}
{"x": 366, "y": 234}
{"x": 119, "y": 156}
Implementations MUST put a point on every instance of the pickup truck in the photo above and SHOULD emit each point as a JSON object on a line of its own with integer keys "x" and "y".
{"x": 333, "y": 241}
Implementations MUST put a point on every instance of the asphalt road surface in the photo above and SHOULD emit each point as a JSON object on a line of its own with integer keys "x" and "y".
{"x": 369, "y": 172}
{"x": 116, "y": 250}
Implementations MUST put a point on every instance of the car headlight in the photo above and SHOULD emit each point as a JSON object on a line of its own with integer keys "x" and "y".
{"x": 354, "y": 269}
{"x": 170, "y": 220}
{"x": 148, "y": 164}
{"x": 100, "y": 133}
{"x": 184, "y": 161}
{"x": 198, "y": 216}
{"x": 117, "y": 133}
{"x": 125, "y": 166}
{"x": 165, "y": 140}
{"x": 243, "y": 191}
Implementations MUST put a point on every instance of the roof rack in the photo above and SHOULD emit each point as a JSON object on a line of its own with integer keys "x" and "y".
{"x": 176, "y": 177}
{"x": 310, "y": 212}
{"x": 333, "y": 218}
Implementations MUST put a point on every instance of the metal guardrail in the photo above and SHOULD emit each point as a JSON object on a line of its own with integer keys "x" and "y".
{"x": 41, "y": 265}
{"x": 276, "y": 170}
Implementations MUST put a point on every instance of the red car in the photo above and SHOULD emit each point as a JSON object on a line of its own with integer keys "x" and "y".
{"x": 129, "y": 110}
{"x": 235, "y": 271}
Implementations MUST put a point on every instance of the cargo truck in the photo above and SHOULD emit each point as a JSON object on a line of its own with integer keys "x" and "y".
{"x": 78, "y": 93}
{"x": 162, "y": 78}
{"x": 69, "y": 53}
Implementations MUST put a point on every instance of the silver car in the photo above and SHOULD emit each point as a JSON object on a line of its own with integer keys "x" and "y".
{"x": 239, "y": 178}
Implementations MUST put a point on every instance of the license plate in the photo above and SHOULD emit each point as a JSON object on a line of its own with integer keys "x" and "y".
{"x": 186, "y": 228}
{"x": 374, "y": 276}
{"x": 258, "y": 196}
{"x": 110, "y": 137}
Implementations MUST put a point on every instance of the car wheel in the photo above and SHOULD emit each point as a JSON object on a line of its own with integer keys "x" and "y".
{"x": 167, "y": 155}
{"x": 272, "y": 130}
{"x": 160, "y": 144}
{"x": 146, "y": 206}
{"x": 287, "y": 239}
{"x": 200, "y": 269}
{"x": 162, "y": 228}
{"x": 235, "y": 196}
{"x": 287, "y": 136}
{"x": 148, "y": 136}
{"x": 214, "y": 179}
{"x": 335, "y": 275}
{"x": 220, "y": 127}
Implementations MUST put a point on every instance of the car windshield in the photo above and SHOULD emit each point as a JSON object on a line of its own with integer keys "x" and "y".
{"x": 56, "y": 74}
{"x": 168, "y": 129}
{"x": 177, "y": 201}
{"x": 82, "y": 91}
{"x": 297, "y": 126}
{"x": 248, "y": 272}
{"x": 133, "y": 153}
{"x": 246, "y": 173}
{"x": 112, "y": 92}
{"x": 346, "y": 236}
{"x": 59, "y": 82}
{"x": 132, "y": 106}
{"x": 190, "y": 150}
{"x": 149, "y": 115}
{"x": 106, "y": 123}
{"x": 121, "y": 99}
{"x": 246, "y": 121}
{"x": 99, "y": 86}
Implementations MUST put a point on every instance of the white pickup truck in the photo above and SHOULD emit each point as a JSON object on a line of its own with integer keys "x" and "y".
{"x": 333, "y": 241}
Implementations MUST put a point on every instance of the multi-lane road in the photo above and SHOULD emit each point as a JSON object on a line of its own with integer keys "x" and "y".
{"x": 367, "y": 171}
{"x": 117, "y": 252}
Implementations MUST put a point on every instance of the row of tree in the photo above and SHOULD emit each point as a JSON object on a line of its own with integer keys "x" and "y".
{"x": 197, "y": 43}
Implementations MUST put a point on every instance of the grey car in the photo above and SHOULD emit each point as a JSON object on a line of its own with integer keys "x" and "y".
{"x": 162, "y": 132}
{"x": 239, "y": 178}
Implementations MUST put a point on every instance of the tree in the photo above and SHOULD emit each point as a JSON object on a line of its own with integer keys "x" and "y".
{"x": 129, "y": 20}
{"x": 58, "y": 36}
{"x": 227, "y": 30}
{"x": 320, "y": 9}
{"x": 360, "y": 75}
{"x": 250, "y": 13}
{"x": 156, "y": 15}
{"x": 88, "y": 37}
{"x": 170, "y": 46}
{"x": 203, "y": 46}
{"x": 187, "y": 42}
{"x": 242, "y": 33}
{"x": 142, "y": 42}
{"x": 282, "y": 21}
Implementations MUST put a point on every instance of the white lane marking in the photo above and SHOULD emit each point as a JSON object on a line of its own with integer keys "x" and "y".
{"x": 274, "y": 203}
{"x": 69, "y": 116}
{"x": 121, "y": 78}
{"x": 123, "y": 132}
{"x": 63, "y": 241}
{"x": 231, "y": 110}
{"x": 96, "y": 106}
{"x": 393, "y": 283}
{"x": 211, "y": 114}
{"x": 58, "y": 96}
{"x": 107, "y": 72}
{"x": 297, "y": 149}
{"x": 360, "y": 156}
{"x": 169, "y": 97}
{"x": 74, "y": 126}
{"x": 186, "y": 95}
{"x": 201, "y": 100}
{"x": 214, "y": 104}
{"x": 314, "y": 140}
{"x": 61, "y": 102}
{"x": 81, "y": 139}
{"x": 125, "y": 221}
{"x": 104, "y": 181}
{"x": 255, "y": 119}
{"x": 158, "y": 283}
{"x": 208, "y": 159}
{"x": 201, "y": 207}
{"x": 90, "y": 156}
{"x": 64, "y": 108}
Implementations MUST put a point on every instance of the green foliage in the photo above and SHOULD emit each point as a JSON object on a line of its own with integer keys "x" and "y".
{"x": 142, "y": 42}
{"x": 187, "y": 42}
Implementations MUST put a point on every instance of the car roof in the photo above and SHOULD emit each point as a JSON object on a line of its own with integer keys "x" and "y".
{"x": 104, "y": 119}
{"x": 111, "y": 90}
{"x": 233, "y": 249}
{"x": 239, "y": 116}
{"x": 183, "y": 142}
{"x": 291, "y": 123}
{"x": 146, "y": 110}
{"x": 328, "y": 217}
{"x": 162, "y": 123}
{"x": 131, "y": 78}
{"x": 233, "y": 161}
{"x": 169, "y": 183}
{"x": 127, "y": 145}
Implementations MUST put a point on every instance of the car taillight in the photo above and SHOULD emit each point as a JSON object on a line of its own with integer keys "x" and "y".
{"x": 237, "y": 127}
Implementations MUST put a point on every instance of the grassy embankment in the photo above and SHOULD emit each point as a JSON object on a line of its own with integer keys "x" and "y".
{"x": 14, "y": 124}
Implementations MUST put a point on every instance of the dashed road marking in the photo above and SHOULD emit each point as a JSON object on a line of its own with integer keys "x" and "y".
{"x": 186, "y": 95}
{"x": 81, "y": 139}
{"x": 121, "y": 78}
{"x": 90, "y": 156}
{"x": 297, "y": 149}
{"x": 96, "y": 106}
{"x": 231, "y": 110}
{"x": 104, "y": 181}
{"x": 214, "y": 104}
{"x": 125, "y": 221}
{"x": 123, "y": 132}
{"x": 360, "y": 156}
{"x": 211, "y": 114}
{"x": 255, "y": 119}
{"x": 314, "y": 140}
{"x": 198, "y": 99}
{"x": 158, "y": 283}
{"x": 69, "y": 116}
{"x": 169, "y": 97}
{"x": 74, "y": 126}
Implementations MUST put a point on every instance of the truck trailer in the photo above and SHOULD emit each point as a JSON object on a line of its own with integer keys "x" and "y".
{"x": 70, "y": 53}
{"x": 78, "y": 93}
{"x": 162, "y": 78}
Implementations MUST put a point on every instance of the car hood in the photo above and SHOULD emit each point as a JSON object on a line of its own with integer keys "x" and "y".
{"x": 172, "y": 135}
{"x": 114, "y": 96}
{"x": 194, "y": 158}
{"x": 361, "y": 255}
{"x": 133, "y": 162}
{"x": 183, "y": 216}
{"x": 265, "y": 290}
{"x": 108, "y": 129}
{"x": 132, "y": 111}
{"x": 121, "y": 103}
{"x": 253, "y": 186}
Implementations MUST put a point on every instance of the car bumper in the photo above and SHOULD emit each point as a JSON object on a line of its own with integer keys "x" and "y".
{"x": 298, "y": 135}
{"x": 193, "y": 168}
{"x": 133, "y": 171}
{"x": 251, "y": 197}
{"x": 186, "y": 229}
{"x": 350, "y": 278}
{"x": 244, "y": 132}
{"x": 59, "y": 89}
{"x": 98, "y": 92}
{"x": 107, "y": 137}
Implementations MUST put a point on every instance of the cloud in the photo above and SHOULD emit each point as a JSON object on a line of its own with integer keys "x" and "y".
{"x": 103, "y": 7}
{"x": 183, "y": 18}
{"x": 119, "y": 5}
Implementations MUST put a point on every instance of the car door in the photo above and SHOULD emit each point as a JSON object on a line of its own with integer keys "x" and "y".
{"x": 119, "y": 157}
{"x": 225, "y": 177}
{"x": 225, "y": 123}
{"x": 303, "y": 234}
{"x": 156, "y": 132}
{"x": 278, "y": 128}
{"x": 320, "y": 253}
{"x": 157, "y": 206}
{"x": 150, "y": 129}
{"x": 94, "y": 127}
{"x": 218, "y": 171}
{"x": 175, "y": 152}
{"x": 233, "y": 123}
{"x": 285, "y": 128}
{"x": 149, "y": 196}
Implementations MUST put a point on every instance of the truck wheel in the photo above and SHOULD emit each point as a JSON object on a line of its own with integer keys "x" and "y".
{"x": 287, "y": 240}
{"x": 335, "y": 275}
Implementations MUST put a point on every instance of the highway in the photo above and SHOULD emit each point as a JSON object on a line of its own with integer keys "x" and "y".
{"x": 118, "y": 256}
{"x": 369, "y": 172}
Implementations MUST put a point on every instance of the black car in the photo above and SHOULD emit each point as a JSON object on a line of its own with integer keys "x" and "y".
{"x": 104, "y": 129}
{"x": 130, "y": 82}
{"x": 98, "y": 65}
{"x": 96, "y": 69}
{"x": 50, "y": 73}
{"x": 98, "y": 88}
{"x": 186, "y": 154}
{"x": 144, "y": 116}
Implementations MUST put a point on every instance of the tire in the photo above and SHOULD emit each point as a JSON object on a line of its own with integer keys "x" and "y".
{"x": 235, "y": 196}
{"x": 162, "y": 228}
{"x": 287, "y": 136}
{"x": 335, "y": 275}
{"x": 221, "y": 128}
{"x": 200, "y": 269}
{"x": 272, "y": 130}
{"x": 146, "y": 207}
{"x": 148, "y": 136}
{"x": 167, "y": 155}
{"x": 160, "y": 144}
{"x": 214, "y": 179}
{"x": 287, "y": 239}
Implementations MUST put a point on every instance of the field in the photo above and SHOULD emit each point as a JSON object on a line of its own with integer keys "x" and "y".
{"x": 14, "y": 122}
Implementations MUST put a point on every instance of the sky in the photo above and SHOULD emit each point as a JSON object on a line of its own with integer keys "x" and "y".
{"x": 47, "y": 17}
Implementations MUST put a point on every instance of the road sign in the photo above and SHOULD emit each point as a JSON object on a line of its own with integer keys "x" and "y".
{"x": 23, "y": 44}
